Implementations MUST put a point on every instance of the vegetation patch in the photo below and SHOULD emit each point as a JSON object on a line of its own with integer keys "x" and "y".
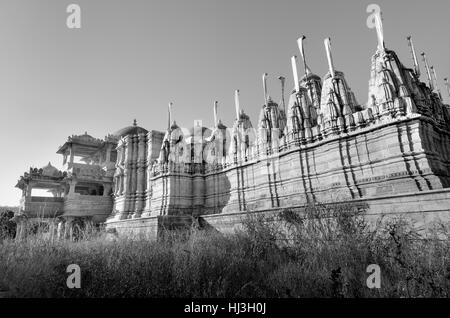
{"x": 323, "y": 252}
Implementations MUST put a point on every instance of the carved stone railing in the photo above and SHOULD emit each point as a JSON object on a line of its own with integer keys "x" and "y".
{"x": 42, "y": 206}
{"x": 46, "y": 199}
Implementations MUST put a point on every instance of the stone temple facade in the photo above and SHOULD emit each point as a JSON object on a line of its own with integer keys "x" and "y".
{"x": 392, "y": 153}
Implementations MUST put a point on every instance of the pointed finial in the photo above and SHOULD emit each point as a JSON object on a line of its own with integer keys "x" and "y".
{"x": 414, "y": 56}
{"x": 282, "y": 80}
{"x": 430, "y": 81}
{"x": 134, "y": 122}
{"x": 295, "y": 73}
{"x": 215, "y": 114}
{"x": 236, "y": 103}
{"x": 435, "y": 82}
{"x": 380, "y": 33}
{"x": 264, "y": 78}
{"x": 302, "y": 53}
{"x": 327, "y": 43}
{"x": 375, "y": 21}
{"x": 447, "y": 85}
{"x": 169, "y": 109}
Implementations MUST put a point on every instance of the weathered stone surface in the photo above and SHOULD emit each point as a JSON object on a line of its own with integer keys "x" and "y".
{"x": 392, "y": 152}
{"x": 97, "y": 208}
{"x": 150, "y": 228}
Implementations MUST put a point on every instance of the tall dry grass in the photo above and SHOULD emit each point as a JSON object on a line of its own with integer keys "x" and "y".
{"x": 322, "y": 253}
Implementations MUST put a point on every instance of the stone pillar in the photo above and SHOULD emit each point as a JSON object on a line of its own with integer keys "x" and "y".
{"x": 142, "y": 141}
{"x": 133, "y": 176}
{"x": 139, "y": 206}
{"x": 108, "y": 154}
{"x": 71, "y": 156}
{"x": 127, "y": 176}
{"x": 29, "y": 189}
{"x": 53, "y": 230}
{"x": 72, "y": 184}
{"x": 120, "y": 185}
{"x": 124, "y": 193}
{"x": 68, "y": 228}
{"x": 147, "y": 176}
{"x": 60, "y": 229}
{"x": 21, "y": 226}
{"x": 119, "y": 164}
{"x": 140, "y": 182}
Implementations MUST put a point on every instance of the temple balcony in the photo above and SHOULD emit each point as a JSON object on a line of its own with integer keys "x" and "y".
{"x": 94, "y": 207}
{"x": 82, "y": 169}
{"x": 42, "y": 207}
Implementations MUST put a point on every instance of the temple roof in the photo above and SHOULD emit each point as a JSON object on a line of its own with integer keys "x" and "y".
{"x": 130, "y": 130}
{"x": 82, "y": 141}
{"x": 44, "y": 177}
{"x": 50, "y": 171}
{"x": 310, "y": 76}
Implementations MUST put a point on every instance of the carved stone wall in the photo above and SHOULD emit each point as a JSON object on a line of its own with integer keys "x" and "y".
{"x": 400, "y": 156}
{"x": 97, "y": 208}
{"x": 327, "y": 148}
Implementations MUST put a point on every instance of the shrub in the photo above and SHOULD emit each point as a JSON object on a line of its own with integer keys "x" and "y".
{"x": 7, "y": 227}
{"x": 322, "y": 251}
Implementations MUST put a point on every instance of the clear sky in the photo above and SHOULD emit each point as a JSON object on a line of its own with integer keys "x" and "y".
{"x": 130, "y": 58}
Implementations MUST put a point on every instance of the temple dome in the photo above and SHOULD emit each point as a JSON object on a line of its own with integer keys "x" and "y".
{"x": 338, "y": 74}
{"x": 174, "y": 126}
{"x": 309, "y": 76}
{"x": 130, "y": 130}
{"x": 220, "y": 125}
{"x": 50, "y": 171}
{"x": 206, "y": 132}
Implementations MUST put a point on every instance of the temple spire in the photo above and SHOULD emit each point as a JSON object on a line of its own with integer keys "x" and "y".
{"x": 327, "y": 43}
{"x": 264, "y": 79}
{"x": 236, "y": 103}
{"x": 380, "y": 33}
{"x": 282, "y": 80}
{"x": 215, "y": 114}
{"x": 134, "y": 122}
{"x": 302, "y": 53}
{"x": 295, "y": 73}
{"x": 430, "y": 81}
{"x": 447, "y": 85}
{"x": 305, "y": 66}
{"x": 436, "y": 83}
{"x": 414, "y": 56}
{"x": 169, "y": 110}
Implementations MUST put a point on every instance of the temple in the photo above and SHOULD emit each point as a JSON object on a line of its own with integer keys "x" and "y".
{"x": 391, "y": 152}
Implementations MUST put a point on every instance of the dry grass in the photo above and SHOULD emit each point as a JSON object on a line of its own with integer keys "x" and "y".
{"x": 322, "y": 254}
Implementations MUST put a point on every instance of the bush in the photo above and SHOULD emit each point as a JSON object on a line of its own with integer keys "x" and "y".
{"x": 322, "y": 252}
{"x": 7, "y": 227}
